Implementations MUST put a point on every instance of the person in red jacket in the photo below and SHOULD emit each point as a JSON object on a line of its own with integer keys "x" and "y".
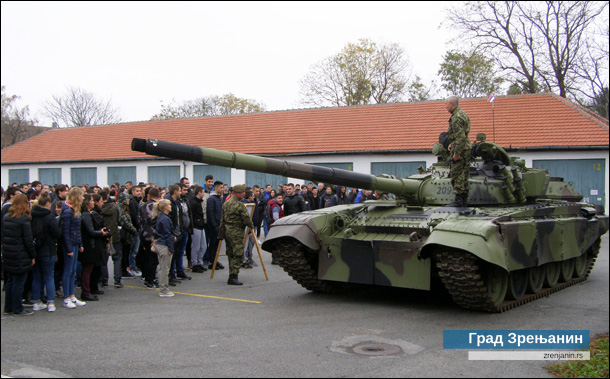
{"x": 274, "y": 212}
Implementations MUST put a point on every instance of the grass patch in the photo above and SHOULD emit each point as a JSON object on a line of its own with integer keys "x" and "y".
{"x": 597, "y": 367}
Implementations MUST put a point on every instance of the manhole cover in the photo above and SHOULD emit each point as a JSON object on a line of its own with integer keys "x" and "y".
{"x": 377, "y": 349}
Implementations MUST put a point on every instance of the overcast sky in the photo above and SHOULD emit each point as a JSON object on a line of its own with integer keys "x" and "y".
{"x": 140, "y": 55}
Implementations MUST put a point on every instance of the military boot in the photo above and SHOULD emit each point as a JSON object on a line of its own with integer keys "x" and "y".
{"x": 233, "y": 280}
{"x": 459, "y": 201}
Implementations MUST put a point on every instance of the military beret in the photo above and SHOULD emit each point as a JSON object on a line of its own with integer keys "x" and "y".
{"x": 239, "y": 188}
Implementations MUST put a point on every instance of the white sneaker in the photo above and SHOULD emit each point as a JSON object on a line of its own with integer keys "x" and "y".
{"x": 51, "y": 308}
{"x": 39, "y": 306}
{"x": 167, "y": 294}
{"x": 68, "y": 304}
{"x": 78, "y": 302}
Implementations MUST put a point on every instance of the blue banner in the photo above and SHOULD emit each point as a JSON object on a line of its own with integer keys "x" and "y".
{"x": 516, "y": 339}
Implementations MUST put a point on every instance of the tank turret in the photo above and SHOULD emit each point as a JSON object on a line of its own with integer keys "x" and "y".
{"x": 495, "y": 177}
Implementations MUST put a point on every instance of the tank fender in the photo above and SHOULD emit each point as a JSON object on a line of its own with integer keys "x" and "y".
{"x": 301, "y": 233}
{"x": 477, "y": 237}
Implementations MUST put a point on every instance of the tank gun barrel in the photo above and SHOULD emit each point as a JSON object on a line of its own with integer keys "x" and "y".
{"x": 399, "y": 187}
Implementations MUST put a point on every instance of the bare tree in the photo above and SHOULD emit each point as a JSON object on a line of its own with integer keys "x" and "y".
{"x": 496, "y": 29}
{"x": 80, "y": 108}
{"x": 16, "y": 123}
{"x": 535, "y": 44}
{"x": 592, "y": 71}
{"x": 563, "y": 28}
{"x": 360, "y": 74}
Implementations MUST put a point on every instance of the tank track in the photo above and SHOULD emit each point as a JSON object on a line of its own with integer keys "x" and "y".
{"x": 291, "y": 257}
{"x": 460, "y": 273}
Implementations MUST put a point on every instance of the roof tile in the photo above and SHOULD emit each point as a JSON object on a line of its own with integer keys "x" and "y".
{"x": 521, "y": 121}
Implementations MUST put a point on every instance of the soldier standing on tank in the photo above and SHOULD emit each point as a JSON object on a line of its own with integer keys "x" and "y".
{"x": 459, "y": 127}
{"x": 235, "y": 218}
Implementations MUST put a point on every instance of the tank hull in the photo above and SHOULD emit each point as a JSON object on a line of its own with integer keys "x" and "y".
{"x": 389, "y": 243}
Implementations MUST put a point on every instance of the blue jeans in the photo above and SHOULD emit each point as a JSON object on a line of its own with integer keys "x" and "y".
{"x": 13, "y": 287}
{"x": 116, "y": 260}
{"x": 135, "y": 246}
{"x": 43, "y": 277}
{"x": 178, "y": 257}
{"x": 70, "y": 272}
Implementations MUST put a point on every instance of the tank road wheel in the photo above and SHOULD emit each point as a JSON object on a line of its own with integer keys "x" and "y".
{"x": 580, "y": 266}
{"x": 517, "y": 284}
{"x": 551, "y": 271}
{"x": 497, "y": 281}
{"x": 567, "y": 270}
{"x": 535, "y": 278}
{"x": 471, "y": 282}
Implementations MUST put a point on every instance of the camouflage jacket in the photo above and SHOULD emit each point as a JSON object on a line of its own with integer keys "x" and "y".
{"x": 459, "y": 127}
{"x": 235, "y": 215}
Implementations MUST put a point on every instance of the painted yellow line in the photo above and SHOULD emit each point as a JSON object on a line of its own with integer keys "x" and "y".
{"x": 196, "y": 295}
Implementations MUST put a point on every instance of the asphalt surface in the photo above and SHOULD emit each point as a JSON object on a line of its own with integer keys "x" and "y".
{"x": 284, "y": 331}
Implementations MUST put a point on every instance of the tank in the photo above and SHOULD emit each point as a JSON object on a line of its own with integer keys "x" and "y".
{"x": 523, "y": 235}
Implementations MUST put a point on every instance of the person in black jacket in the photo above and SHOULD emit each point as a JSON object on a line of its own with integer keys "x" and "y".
{"x": 46, "y": 235}
{"x": 94, "y": 237}
{"x": 19, "y": 253}
{"x": 340, "y": 198}
{"x": 327, "y": 197}
{"x": 199, "y": 245}
{"x": 214, "y": 212}
{"x": 293, "y": 202}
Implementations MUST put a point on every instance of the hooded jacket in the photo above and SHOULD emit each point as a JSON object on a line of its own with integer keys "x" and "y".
{"x": 50, "y": 231}
{"x": 111, "y": 214}
{"x": 340, "y": 198}
{"x": 128, "y": 230}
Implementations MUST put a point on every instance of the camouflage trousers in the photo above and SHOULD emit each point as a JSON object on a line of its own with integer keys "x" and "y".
{"x": 234, "y": 238}
{"x": 459, "y": 174}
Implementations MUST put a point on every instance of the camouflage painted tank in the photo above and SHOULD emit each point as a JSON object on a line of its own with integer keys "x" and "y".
{"x": 523, "y": 235}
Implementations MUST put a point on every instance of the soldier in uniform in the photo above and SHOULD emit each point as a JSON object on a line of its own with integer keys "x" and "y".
{"x": 235, "y": 217}
{"x": 459, "y": 127}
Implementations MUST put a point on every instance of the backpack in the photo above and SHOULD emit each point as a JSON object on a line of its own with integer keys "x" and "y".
{"x": 327, "y": 202}
{"x": 268, "y": 217}
{"x": 38, "y": 233}
{"x": 60, "y": 224}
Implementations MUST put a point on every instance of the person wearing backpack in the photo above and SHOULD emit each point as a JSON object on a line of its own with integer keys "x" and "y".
{"x": 147, "y": 234}
{"x": 46, "y": 232}
{"x": 326, "y": 198}
{"x": 273, "y": 212}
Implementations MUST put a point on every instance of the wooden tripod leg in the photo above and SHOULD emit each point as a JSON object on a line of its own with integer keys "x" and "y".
{"x": 260, "y": 255}
{"x": 216, "y": 259}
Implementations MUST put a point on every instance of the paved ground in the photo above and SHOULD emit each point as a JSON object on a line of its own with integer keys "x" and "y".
{"x": 283, "y": 331}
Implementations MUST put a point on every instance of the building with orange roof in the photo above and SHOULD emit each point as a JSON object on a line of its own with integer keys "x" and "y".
{"x": 544, "y": 129}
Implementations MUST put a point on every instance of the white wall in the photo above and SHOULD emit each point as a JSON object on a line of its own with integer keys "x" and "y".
{"x": 361, "y": 163}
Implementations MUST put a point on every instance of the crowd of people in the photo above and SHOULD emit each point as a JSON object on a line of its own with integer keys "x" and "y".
{"x": 56, "y": 239}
